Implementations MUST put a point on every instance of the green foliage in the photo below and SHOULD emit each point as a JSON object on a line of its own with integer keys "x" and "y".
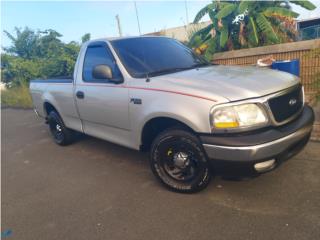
{"x": 38, "y": 54}
{"x": 226, "y": 11}
{"x": 24, "y": 44}
{"x": 280, "y": 11}
{"x": 16, "y": 97}
{"x": 198, "y": 37}
{"x": 305, "y": 4}
{"x": 211, "y": 49}
{"x": 254, "y": 29}
{"x": 86, "y": 37}
{"x": 17, "y": 71}
{"x": 209, "y": 8}
{"x": 265, "y": 26}
{"x": 243, "y": 6}
{"x": 224, "y": 36}
{"x": 242, "y": 24}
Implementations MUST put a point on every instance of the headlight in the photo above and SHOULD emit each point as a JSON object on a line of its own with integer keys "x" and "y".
{"x": 237, "y": 116}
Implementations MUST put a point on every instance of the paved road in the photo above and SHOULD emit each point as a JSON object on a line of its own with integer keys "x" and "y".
{"x": 97, "y": 190}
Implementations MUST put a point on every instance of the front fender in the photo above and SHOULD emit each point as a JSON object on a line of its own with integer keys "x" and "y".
{"x": 193, "y": 112}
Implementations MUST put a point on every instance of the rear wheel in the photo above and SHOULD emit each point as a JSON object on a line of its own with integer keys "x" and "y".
{"x": 178, "y": 161}
{"x": 60, "y": 133}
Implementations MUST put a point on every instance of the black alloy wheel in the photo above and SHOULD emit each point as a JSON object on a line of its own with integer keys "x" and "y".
{"x": 179, "y": 162}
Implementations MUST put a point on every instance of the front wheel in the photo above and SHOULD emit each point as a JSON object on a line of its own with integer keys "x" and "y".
{"x": 179, "y": 162}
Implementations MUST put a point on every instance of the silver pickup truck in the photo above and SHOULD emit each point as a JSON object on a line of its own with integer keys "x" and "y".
{"x": 154, "y": 94}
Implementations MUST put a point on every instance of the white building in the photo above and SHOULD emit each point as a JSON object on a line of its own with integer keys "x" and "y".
{"x": 182, "y": 33}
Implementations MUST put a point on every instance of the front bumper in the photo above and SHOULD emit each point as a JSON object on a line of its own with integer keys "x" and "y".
{"x": 262, "y": 145}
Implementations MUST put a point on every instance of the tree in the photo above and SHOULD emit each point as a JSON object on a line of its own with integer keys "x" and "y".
{"x": 38, "y": 54}
{"x": 85, "y": 37}
{"x": 241, "y": 24}
{"x": 23, "y": 44}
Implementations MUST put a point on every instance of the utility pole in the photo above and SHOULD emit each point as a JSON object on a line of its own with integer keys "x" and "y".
{"x": 135, "y": 6}
{"x": 119, "y": 26}
{"x": 187, "y": 17}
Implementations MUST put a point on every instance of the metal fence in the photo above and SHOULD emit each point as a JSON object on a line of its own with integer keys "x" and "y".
{"x": 306, "y": 51}
{"x": 308, "y": 33}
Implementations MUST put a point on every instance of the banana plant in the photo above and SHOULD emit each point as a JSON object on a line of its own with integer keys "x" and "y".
{"x": 241, "y": 24}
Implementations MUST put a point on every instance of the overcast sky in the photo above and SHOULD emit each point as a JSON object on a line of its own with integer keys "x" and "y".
{"x": 75, "y": 18}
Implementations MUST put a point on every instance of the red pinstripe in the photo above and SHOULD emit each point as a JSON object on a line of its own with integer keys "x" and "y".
{"x": 142, "y": 88}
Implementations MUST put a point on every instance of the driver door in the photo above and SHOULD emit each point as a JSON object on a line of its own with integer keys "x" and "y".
{"x": 102, "y": 103}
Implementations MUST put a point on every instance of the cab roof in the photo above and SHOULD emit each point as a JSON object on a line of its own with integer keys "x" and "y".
{"x": 122, "y": 38}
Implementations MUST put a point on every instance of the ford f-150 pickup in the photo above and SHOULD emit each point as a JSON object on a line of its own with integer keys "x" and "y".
{"x": 154, "y": 94}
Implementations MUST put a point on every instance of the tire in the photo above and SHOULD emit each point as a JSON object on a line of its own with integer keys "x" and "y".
{"x": 60, "y": 133}
{"x": 178, "y": 160}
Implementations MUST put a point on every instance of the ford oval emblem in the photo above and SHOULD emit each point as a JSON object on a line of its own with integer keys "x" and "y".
{"x": 292, "y": 101}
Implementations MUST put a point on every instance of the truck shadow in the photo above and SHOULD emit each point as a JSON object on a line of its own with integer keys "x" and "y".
{"x": 223, "y": 171}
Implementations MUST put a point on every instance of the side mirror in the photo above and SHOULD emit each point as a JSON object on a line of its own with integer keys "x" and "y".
{"x": 102, "y": 72}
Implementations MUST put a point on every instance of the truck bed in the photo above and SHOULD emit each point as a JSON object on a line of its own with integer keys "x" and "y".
{"x": 56, "y": 91}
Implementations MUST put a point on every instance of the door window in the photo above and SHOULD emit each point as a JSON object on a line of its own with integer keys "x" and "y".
{"x": 98, "y": 55}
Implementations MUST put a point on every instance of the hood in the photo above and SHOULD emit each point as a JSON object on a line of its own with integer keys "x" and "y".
{"x": 230, "y": 82}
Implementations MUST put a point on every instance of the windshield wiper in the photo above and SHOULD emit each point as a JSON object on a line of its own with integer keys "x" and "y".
{"x": 205, "y": 64}
{"x": 173, "y": 70}
{"x": 167, "y": 70}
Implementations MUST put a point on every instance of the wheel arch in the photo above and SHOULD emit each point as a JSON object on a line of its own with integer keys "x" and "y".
{"x": 48, "y": 107}
{"x": 156, "y": 125}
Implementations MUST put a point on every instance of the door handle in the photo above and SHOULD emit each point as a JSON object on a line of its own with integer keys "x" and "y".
{"x": 80, "y": 94}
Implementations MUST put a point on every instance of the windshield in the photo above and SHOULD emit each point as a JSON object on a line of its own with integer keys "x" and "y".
{"x": 154, "y": 56}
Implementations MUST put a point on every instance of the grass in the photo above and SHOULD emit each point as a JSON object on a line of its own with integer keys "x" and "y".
{"x": 16, "y": 97}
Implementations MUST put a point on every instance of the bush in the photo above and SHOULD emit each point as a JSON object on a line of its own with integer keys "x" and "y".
{"x": 16, "y": 97}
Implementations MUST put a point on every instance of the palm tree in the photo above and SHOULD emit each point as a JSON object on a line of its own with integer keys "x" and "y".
{"x": 241, "y": 24}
